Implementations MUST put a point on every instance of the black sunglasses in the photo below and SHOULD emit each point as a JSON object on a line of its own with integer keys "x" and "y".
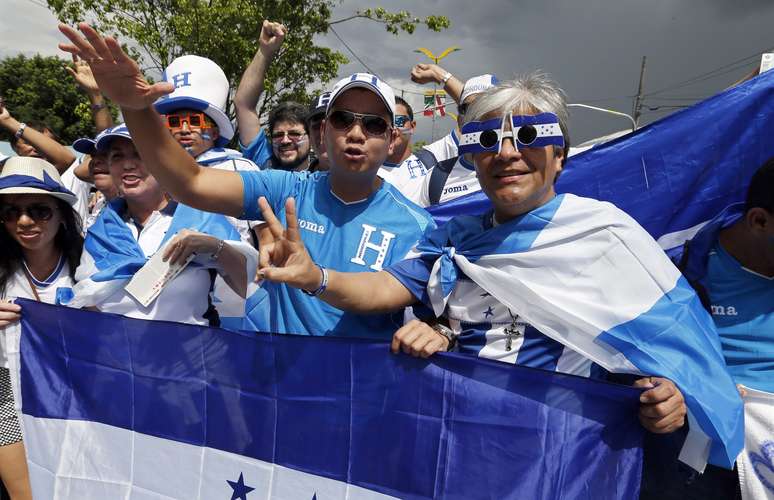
{"x": 344, "y": 120}
{"x": 37, "y": 212}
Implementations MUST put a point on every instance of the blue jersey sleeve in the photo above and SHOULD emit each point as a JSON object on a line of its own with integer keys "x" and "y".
{"x": 414, "y": 273}
{"x": 259, "y": 151}
{"x": 275, "y": 185}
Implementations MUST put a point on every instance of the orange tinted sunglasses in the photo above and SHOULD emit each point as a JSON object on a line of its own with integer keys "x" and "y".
{"x": 194, "y": 120}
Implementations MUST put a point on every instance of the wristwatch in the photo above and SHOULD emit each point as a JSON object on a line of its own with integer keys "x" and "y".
{"x": 446, "y": 332}
{"x": 20, "y": 132}
{"x": 446, "y": 77}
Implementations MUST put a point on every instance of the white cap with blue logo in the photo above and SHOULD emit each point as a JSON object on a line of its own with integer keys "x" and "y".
{"x": 200, "y": 84}
{"x": 477, "y": 85}
{"x": 365, "y": 81}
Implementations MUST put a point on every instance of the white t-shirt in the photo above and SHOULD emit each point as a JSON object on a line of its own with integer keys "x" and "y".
{"x": 184, "y": 299}
{"x": 19, "y": 287}
{"x": 448, "y": 172}
{"x": 81, "y": 190}
{"x": 408, "y": 177}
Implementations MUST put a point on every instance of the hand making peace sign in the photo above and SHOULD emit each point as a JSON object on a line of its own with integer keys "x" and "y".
{"x": 286, "y": 259}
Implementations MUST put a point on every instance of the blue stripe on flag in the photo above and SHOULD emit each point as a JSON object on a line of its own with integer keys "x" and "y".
{"x": 455, "y": 426}
{"x": 635, "y": 340}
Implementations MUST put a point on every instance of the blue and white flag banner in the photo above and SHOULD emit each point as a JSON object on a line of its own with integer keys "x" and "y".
{"x": 674, "y": 174}
{"x": 756, "y": 462}
{"x": 585, "y": 274}
{"x": 125, "y": 408}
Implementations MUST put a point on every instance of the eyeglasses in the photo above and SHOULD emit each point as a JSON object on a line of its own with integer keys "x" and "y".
{"x": 194, "y": 120}
{"x": 38, "y": 212}
{"x": 292, "y": 135}
{"x": 535, "y": 131}
{"x": 402, "y": 120}
{"x": 344, "y": 120}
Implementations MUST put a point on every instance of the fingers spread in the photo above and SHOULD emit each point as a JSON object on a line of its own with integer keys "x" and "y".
{"x": 96, "y": 41}
{"x": 275, "y": 226}
{"x": 290, "y": 215}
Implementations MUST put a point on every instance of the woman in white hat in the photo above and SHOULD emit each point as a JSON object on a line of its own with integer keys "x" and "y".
{"x": 41, "y": 246}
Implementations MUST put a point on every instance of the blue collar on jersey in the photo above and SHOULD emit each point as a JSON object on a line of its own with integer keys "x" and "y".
{"x": 533, "y": 131}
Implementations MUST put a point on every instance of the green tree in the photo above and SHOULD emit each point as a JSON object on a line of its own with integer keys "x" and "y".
{"x": 40, "y": 89}
{"x": 227, "y": 31}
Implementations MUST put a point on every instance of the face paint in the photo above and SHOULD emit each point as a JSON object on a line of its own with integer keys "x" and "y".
{"x": 206, "y": 137}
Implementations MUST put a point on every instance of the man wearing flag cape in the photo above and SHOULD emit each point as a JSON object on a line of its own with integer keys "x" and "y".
{"x": 553, "y": 282}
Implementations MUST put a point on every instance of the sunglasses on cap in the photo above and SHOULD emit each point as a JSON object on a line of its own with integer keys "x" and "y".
{"x": 402, "y": 120}
{"x": 527, "y": 131}
{"x": 292, "y": 135}
{"x": 38, "y": 212}
{"x": 194, "y": 120}
{"x": 344, "y": 120}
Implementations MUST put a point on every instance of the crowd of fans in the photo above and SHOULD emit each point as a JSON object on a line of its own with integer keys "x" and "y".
{"x": 310, "y": 228}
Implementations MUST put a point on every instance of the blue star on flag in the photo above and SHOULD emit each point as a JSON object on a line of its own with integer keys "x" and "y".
{"x": 240, "y": 488}
{"x": 489, "y": 312}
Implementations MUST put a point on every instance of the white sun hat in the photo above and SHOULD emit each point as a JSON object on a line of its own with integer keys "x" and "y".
{"x": 28, "y": 175}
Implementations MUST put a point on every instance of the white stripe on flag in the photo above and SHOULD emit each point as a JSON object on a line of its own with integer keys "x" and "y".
{"x": 95, "y": 460}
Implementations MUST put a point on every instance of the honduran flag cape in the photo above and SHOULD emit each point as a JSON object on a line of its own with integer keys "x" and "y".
{"x": 675, "y": 174}
{"x": 587, "y": 275}
{"x": 112, "y": 255}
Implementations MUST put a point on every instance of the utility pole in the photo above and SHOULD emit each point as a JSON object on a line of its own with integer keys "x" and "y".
{"x": 638, "y": 100}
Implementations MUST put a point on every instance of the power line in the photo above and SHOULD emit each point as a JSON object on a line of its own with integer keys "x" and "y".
{"x": 353, "y": 53}
{"x": 707, "y": 75}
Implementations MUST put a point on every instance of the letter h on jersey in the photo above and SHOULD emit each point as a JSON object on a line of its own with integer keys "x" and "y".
{"x": 365, "y": 244}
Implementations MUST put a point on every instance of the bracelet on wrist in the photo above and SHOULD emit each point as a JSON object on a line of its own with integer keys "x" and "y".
{"x": 445, "y": 78}
{"x": 323, "y": 283}
{"x": 98, "y": 106}
{"x": 20, "y": 131}
{"x": 214, "y": 255}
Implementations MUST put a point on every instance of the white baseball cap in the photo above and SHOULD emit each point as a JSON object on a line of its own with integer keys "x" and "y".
{"x": 477, "y": 85}
{"x": 364, "y": 81}
{"x": 88, "y": 146}
{"x": 200, "y": 84}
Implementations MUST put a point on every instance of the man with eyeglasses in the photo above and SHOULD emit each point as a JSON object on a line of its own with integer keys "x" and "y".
{"x": 348, "y": 217}
{"x": 289, "y": 138}
{"x": 287, "y": 146}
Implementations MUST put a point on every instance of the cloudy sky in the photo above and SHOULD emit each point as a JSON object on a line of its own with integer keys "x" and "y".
{"x": 593, "y": 48}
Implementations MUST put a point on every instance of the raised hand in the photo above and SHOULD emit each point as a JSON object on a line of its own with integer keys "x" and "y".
{"x": 272, "y": 35}
{"x": 4, "y": 113}
{"x": 427, "y": 73}
{"x": 83, "y": 76}
{"x": 116, "y": 74}
{"x": 286, "y": 259}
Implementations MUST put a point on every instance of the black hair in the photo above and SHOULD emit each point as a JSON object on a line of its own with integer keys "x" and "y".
{"x": 288, "y": 111}
{"x": 760, "y": 194}
{"x": 400, "y": 100}
{"x": 35, "y": 125}
{"x": 68, "y": 240}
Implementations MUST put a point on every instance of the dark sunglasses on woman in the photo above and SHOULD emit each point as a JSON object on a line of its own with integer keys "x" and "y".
{"x": 37, "y": 212}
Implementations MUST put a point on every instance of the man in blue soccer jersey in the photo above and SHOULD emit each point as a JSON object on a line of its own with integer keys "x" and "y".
{"x": 348, "y": 217}
{"x": 730, "y": 263}
{"x": 517, "y": 159}
{"x": 287, "y": 146}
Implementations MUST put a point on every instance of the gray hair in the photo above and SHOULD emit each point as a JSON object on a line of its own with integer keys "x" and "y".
{"x": 532, "y": 93}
